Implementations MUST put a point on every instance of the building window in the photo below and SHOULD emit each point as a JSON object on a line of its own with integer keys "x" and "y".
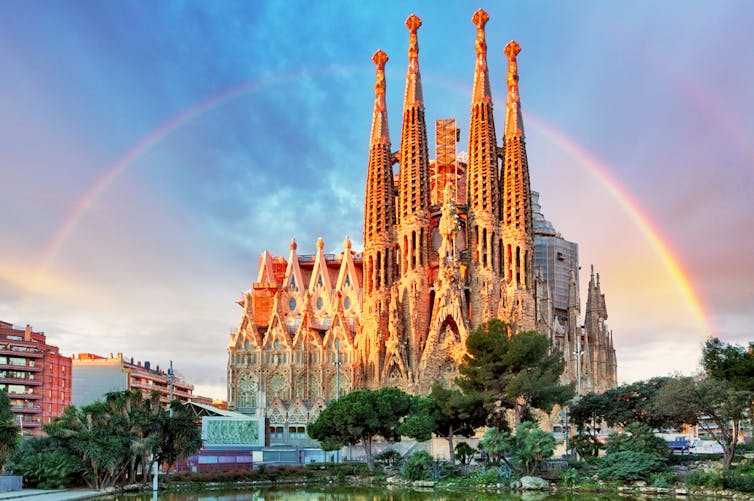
{"x": 276, "y": 432}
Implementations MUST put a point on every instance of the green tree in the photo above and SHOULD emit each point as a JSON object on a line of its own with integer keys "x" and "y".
{"x": 495, "y": 444}
{"x": 465, "y": 453}
{"x": 180, "y": 436}
{"x": 517, "y": 371}
{"x": 527, "y": 447}
{"x": 729, "y": 362}
{"x": 716, "y": 405}
{"x": 586, "y": 445}
{"x": 531, "y": 446}
{"x": 9, "y": 431}
{"x": 360, "y": 416}
{"x": 117, "y": 438}
{"x": 626, "y": 404}
{"x": 446, "y": 413}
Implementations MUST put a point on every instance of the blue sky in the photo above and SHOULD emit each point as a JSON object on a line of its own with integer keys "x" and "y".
{"x": 660, "y": 93}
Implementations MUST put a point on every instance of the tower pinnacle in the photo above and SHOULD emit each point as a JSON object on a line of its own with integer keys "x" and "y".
{"x": 413, "y": 94}
{"x": 483, "y": 188}
{"x": 481, "y": 91}
{"x": 380, "y": 134}
{"x": 514, "y": 124}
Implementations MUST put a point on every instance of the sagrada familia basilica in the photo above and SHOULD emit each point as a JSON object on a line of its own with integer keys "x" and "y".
{"x": 448, "y": 244}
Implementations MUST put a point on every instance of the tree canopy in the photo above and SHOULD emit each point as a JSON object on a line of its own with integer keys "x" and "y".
{"x": 516, "y": 372}
{"x": 729, "y": 362}
{"x": 446, "y": 413}
{"x": 629, "y": 403}
{"x": 9, "y": 431}
{"x": 527, "y": 447}
{"x": 109, "y": 442}
{"x": 359, "y": 416}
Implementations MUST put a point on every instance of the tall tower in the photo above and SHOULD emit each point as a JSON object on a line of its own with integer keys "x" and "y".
{"x": 518, "y": 304}
{"x": 413, "y": 206}
{"x": 379, "y": 233}
{"x": 483, "y": 189}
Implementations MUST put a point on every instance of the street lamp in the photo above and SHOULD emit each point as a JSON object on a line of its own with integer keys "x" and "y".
{"x": 578, "y": 354}
{"x": 337, "y": 363}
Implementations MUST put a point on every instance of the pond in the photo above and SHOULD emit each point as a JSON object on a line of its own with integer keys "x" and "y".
{"x": 347, "y": 493}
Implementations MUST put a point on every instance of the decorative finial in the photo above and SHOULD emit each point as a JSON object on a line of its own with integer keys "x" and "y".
{"x": 347, "y": 243}
{"x": 413, "y": 22}
{"x": 380, "y": 132}
{"x": 320, "y": 243}
{"x": 293, "y": 245}
{"x": 480, "y": 18}
{"x": 380, "y": 58}
{"x": 512, "y": 50}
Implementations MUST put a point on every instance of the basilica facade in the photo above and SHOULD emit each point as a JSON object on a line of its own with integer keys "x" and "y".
{"x": 448, "y": 244}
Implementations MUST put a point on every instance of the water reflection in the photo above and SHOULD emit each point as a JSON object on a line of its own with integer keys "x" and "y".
{"x": 320, "y": 493}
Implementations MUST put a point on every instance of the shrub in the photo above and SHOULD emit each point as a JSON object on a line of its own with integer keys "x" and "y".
{"x": 388, "y": 458}
{"x": 418, "y": 466}
{"x": 447, "y": 470}
{"x": 637, "y": 437}
{"x": 738, "y": 482}
{"x": 45, "y": 465}
{"x": 709, "y": 479}
{"x": 570, "y": 477}
{"x": 485, "y": 477}
{"x": 629, "y": 465}
{"x": 663, "y": 479}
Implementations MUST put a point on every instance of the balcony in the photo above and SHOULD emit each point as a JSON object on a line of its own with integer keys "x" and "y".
{"x": 29, "y": 409}
{"x": 31, "y": 353}
{"x": 25, "y": 396}
{"x": 20, "y": 380}
{"x": 25, "y": 368}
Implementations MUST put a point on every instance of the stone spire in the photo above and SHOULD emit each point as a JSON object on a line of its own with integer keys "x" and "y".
{"x": 481, "y": 92}
{"x": 483, "y": 188}
{"x": 516, "y": 217}
{"x": 379, "y": 210}
{"x": 593, "y": 300}
{"x": 514, "y": 123}
{"x": 380, "y": 134}
{"x": 380, "y": 256}
{"x": 413, "y": 155}
{"x": 414, "y": 223}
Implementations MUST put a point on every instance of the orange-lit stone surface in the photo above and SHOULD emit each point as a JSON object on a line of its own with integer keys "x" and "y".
{"x": 448, "y": 244}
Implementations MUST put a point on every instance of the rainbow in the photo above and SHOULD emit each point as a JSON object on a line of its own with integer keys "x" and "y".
{"x": 597, "y": 168}
{"x": 632, "y": 209}
{"x": 87, "y": 200}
